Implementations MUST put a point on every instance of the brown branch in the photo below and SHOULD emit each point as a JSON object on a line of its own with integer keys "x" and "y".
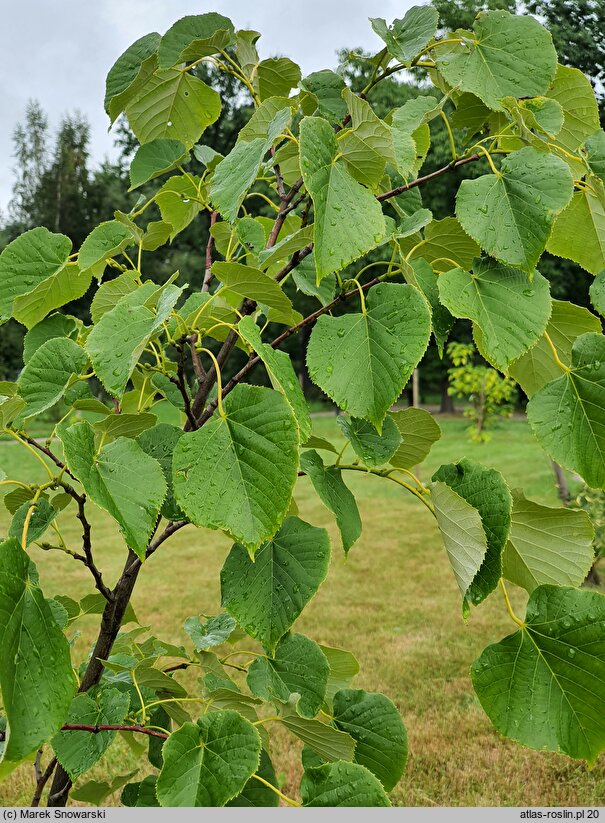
{"x": 198, "y": 368}
{"x": 112, "y": 727}
{"x": 46, "y": 450}
{"x": 87, "y": 558}
{"x": 209, "y": 247}
{"x": 179, "y": 382}
{"x": 42, "y": 780}
{"x": 421, "y": 180}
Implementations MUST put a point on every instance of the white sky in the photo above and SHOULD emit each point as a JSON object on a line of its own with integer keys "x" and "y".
{"x": 59, "y": 51}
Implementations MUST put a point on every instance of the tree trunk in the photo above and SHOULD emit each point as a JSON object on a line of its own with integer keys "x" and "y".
{"x": 416, "y": 388}
{"x": 447, "y": 401}
{"x": 111, "y": 621}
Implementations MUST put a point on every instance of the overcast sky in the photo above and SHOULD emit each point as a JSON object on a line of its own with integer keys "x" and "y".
{"x": 59, "y": 52}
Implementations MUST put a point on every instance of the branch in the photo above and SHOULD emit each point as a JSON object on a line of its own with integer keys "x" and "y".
{"x": 87, "y": 558}
{"x": 179, "y": 382}
{"x": 45, "y": 450}
{"x": 421, "y": 180}
{"x": 198, "y": 368}
{"x": 42, "y": 780}
{"x": 112, "y": 727}
{"x": 209, "y": 247}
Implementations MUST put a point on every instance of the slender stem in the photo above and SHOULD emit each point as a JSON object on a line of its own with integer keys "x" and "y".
{"x": 509, "y": 607}
{"x": 113, "y": 727}
{"x": 555, "y": 354}
{"x": 198, "y": 368}
{"x": 209, "y": 248}
{"x": 450, "y": 135}
{"x": 420, "y": 181}
{"x": 43, "y": 780}
{"x": 28, "y": 442}
{"x": 284, "y": 797}
{"x": 488, "y": 156}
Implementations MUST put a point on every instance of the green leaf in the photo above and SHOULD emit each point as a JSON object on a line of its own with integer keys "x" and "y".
{"x": 286, "y": 247}
{"x": 180, "y": 201}
{"x": 41, "y": 519}
{"x": 124, "y": 425}
{"x": 238, "y": 471}
{"x": 142, "y": 794}
{"x": 213, "y": 632}
{"x": 374, "y": 449}
{"x": 559, "y": 651}
{"x": 173, "y": 104}
{"x": 444, "y": 242}
{"x": 268, "y": 594}
{"x": 485, "y": 490}
{"x": 567, "y": 322}
{"x": 387, "y": 342}
{"x": 78, "y": 751}
{"x": 335, "y": 496}
{"x": 368, "y": 144}
{"x": 341, "y": 784}
{"x": 155, "y": 158}
{"x": 321, "y": 443}
{"x": 579, "y": 232}
{"x": 69, "y": 284}
{"x": 254, "y": 793}
{"x": 96, "y": 791}
{"x": 510, "y": 312}
{"x": 238, "y": 170}
{"x": 111, "y": 292}
{"x": 418, "y": 430}
{"x": 326, "y": 741}
{"x": 160, "y": 442}
{"x": 35, "y": 667}
{"x": 343, "y": 669}
{"x": 48, "y": 373}
{"x": 27, "y": 261}
{"x": 348, "y": 219}
{"x": 511, "y": 214}
{"x": 56, "y": 325}
{"x": 276, "y": 76}
{"x": 406, "y": 37}
{"x": 567, "y": 415}
{"x": 462, "y": 532}
{"x": 547, "y": 545}
{"x": 595, "y": 153}
{"x": 263, "y": 121}
{"x": 324, "y": 95}
{"x": 281, "y": 372}
{"x": 117, "y": 341}
{"x": 105, "y": 241}
{"x": 573, "y": 91}
{"x": 597, "y": 298}
{"x": 298, "y": 667}
{"x": 121, "y": 479}
{"x": 374, "y": 723}
{"x": 488, "y": 66}
{"x": 246, "y": 281}
{"x": 305, "y": 280}
{"x": 156, "y": 235}
{"x": 209, "y": 762}
{"x": 194, "y": 37}
{"x": 129, "y": 73}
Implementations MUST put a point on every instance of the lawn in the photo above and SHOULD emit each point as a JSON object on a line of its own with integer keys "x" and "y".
{"x": 393, "y": 603}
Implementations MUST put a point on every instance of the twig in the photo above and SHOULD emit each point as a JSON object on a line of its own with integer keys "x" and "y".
{"x": 42, "y": 781}
{"x": 198, "y": 368}
{"x": 179, "y": 382}
{"x": 87, "y": 559}
{"x": 48, "y": 453}
{"x": 112, "y": 727}
{"x": 421, "y": 180}
{"x": 209, "y": 247}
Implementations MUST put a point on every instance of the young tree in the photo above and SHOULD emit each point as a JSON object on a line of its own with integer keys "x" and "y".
{"x": 340, "y": 182}
{"x": 489, "y": 394}
{"x": 30, "y": 151}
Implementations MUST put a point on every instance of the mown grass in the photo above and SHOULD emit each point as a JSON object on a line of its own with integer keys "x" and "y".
{"x": 393, "y": 602}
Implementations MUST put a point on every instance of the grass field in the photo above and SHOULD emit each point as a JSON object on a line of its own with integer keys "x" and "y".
{"x": 393, "y": 603}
